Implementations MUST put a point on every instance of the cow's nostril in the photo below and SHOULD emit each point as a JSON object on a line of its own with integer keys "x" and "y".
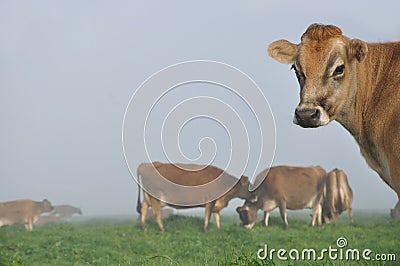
{"x": 316, "y": 114}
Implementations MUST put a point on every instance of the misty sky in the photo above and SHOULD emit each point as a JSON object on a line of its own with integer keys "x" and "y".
{"x": 69, "y": 68}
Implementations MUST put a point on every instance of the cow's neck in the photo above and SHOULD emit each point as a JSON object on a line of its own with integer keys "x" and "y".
{"x": 364, "y": 85}
{"x": 222, "y": 202}
{"x": 361, "y": 118}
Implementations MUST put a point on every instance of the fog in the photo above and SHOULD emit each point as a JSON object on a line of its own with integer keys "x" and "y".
{"x": 68, "y": 70}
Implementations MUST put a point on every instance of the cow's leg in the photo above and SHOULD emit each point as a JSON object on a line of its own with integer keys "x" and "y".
{"x": 209, "y": 206}
{"x": 316, "y": 214}
{"x": 217, "y": 219}
{"x": 156, "y": 208}
{"x": 395, "y": 175}
{"x": 143, "y": 215}
{"x": 29, "y": 225}
{"x": 266, "y": 218}
{"x": 282, "y": 210}
{"x": 335, "y": 217}
{"x": 350, "y": 212}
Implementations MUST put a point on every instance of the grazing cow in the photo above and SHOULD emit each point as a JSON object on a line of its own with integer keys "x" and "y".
{"x": 338, "y": 196}
{"x": 23, "y": 211}
{"x": 187, "y": 175}
{"x": 355, "y": 83}
{"x": 286, "y": 187}
{"x": 65, "y": 211}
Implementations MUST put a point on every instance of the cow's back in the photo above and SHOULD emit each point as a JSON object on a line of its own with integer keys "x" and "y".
{"x": 298, "y": 186}
{"x": 184, "y": 174}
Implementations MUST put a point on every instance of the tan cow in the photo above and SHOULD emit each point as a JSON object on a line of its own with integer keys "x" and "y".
{"x": 66, "y": 211}
{"x": 355, "y": 83}
{"x": 338, "y": 196}
{"x": 187, "y": 175}
{"x": 286, "y": 187}
{"x": 23, "y": 211}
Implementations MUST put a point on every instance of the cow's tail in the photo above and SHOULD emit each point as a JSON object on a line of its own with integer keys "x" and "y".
{"x": 139, "y": 204}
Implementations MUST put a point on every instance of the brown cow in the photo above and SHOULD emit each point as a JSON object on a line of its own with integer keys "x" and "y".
{"x": 286, "y": 187}
{"x": 355, "y": 83}
{"x": 66, "y": 211}
{"x": 23, "y": 211}
{"x": 338, "y": 196}
{"x": 187, "y": 175}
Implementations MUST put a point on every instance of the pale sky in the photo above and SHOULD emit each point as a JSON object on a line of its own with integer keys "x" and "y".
{"x": 69, "y": 68}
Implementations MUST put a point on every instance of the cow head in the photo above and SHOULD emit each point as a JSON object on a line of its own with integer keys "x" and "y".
{"x": 324, "y": 63}
{"x": 47, "y": 207}
{"x": 247, "y": 214}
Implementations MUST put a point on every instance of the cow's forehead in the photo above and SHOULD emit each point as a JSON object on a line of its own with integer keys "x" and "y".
{"x": 314, "y": 54}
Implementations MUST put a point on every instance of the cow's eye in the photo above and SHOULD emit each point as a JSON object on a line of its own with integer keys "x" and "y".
{"x": 338, "y": 70}
{"x": 299, "y": 75}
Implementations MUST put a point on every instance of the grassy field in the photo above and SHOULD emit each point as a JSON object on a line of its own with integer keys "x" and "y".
{"x": 121, "y": 241}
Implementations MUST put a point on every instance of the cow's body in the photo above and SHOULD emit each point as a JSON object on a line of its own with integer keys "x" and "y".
{"x": 355, "y": 83}
{"x": 148, "y": 173}
{"x": 66, "y": 211}
{"x": 286, "y": 187}
{"x": 23, "y": 211}
{"x": 338, "y": 196}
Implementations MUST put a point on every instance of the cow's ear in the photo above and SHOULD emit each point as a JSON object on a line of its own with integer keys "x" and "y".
{"x": 244, "y": 180}
{"x": 243, "y": 208}
{"x": 283, "y": 51}
{"x": 357, "y": 49}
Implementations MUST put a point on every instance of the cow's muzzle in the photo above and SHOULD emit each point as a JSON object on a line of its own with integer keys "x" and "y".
{"x": 307, "y": 117}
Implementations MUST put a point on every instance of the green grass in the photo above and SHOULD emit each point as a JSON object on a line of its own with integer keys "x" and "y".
{"x": 121, "y": 241}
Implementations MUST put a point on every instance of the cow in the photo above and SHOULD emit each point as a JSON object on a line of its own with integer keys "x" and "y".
{"x": 23, "y": 211}
{"x": 187, "y": 175}
{"x": 286, "y": 187}
{"x": 338, "y": 196}
{"x": 355, "y": 83}
{"x": 65, "y": 211}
